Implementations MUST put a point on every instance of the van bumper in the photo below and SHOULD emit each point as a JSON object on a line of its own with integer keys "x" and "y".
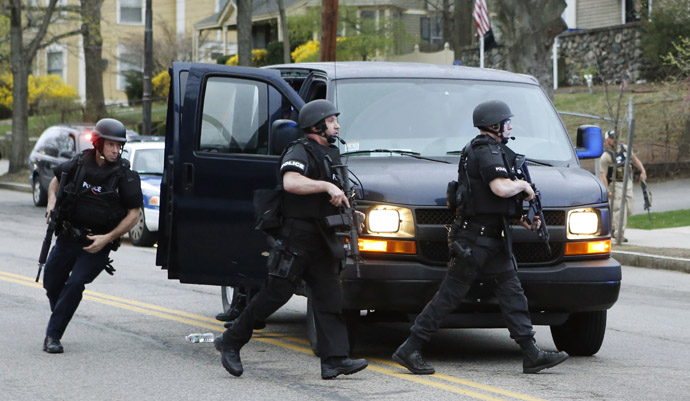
{"x": 570, "y": 286}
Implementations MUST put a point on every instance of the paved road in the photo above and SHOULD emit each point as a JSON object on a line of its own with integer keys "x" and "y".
{"x": 127, "y": 342}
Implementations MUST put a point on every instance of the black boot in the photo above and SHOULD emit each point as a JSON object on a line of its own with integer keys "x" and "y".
{"x": 535, "y": 360}
{"x": 333, "y": 367}
{"x": 229, "y": 357}
{"x": 52, "y": 345}
{"x": 228, "y": 316}
{"x": 409, "y": 355}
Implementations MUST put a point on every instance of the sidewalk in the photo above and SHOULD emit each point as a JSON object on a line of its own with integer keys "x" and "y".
{"x": 666, "y": 248}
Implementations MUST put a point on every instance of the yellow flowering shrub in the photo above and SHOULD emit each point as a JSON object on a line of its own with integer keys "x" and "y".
{"x": 44, "y": 91}
{"x": 161, "y": 84}
{"x": 306, "y": 52}
{"x": 258, "y": 58}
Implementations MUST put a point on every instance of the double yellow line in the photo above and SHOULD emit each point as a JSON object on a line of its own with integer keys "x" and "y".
{"x": 439, "y": 381}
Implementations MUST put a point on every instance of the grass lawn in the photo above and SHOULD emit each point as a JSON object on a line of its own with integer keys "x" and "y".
{"x": 675, "y": 218}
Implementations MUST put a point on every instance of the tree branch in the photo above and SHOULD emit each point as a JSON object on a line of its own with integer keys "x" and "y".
{"x": 36, "y": 41}
{"x": 57, "y": 38}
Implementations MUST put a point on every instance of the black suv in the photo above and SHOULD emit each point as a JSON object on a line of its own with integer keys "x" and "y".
{"x": 56, "y": 145}
{"x": 404, "y": 125}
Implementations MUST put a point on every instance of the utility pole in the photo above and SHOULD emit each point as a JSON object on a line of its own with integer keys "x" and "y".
{"x": 148, "y": 71}
{"x": 329, "y": 29}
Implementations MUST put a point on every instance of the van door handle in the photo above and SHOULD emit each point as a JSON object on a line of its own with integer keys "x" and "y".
{"x": 188, "y": 179}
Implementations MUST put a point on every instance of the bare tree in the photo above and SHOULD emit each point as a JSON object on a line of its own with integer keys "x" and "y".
{"x": 169, "y": 46}
{"x": 244, "y": 32}
{"x": 93, "y": 59}
{"x": 528, "y": 28}
{"x": 22, "y": 57}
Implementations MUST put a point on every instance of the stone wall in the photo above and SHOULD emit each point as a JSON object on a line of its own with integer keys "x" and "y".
{"x": 610, "y": 53}
{"x": 615, "y": 49}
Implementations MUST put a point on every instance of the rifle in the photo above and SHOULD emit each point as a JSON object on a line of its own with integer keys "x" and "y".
{"x": 55, "y": 221}
{"x": 348, "y": 218}
{"x": 647, "y": 198}
{"x": 535, "y": 208}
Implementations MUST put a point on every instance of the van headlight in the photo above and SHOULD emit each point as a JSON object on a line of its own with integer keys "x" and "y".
{"x": 583, "y": 223}
{"x": 384, "y": 221}
{"x": 390, "y": 221}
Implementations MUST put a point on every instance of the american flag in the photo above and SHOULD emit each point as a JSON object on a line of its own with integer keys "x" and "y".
{"x": 481, "y": 17}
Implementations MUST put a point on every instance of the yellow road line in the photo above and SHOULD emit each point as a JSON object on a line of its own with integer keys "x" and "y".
{"x": 436, "y": 380}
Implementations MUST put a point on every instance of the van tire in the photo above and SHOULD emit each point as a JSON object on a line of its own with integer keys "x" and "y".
{"x": 582, "y": 334}
{"x": 140, "y": 235}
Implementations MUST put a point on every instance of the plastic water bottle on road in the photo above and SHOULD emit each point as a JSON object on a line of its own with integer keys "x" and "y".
{"x": 200, "y": 338}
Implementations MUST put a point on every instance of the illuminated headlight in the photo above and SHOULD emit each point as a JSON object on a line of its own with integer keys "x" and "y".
{"x": 583, "y": 223}
{"x": 384, "y": 221}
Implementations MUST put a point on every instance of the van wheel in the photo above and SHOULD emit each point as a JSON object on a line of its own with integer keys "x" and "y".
{"x": 352, "y": 321}
{"x": 40, "y": 195}
{"x": 227, "y": 296}
{"x": 582, "y": 334}
{"x": 140, "y": 235}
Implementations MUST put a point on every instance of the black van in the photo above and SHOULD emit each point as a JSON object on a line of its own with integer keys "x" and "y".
{"x": 404, "y": 125}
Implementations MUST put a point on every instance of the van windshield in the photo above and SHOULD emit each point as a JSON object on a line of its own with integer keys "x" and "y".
{"x": 434, "y": 117}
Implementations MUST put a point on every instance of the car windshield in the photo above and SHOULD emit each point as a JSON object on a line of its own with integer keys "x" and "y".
{"x": 434, "y": 117}
{"x": 148, "y": 161}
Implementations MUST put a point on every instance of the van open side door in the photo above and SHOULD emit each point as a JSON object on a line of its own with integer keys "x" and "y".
{"x": 217, "y": 153}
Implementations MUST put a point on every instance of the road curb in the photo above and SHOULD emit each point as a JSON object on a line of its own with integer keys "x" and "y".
{"x": 16, "y": 186}
{"x": 639, "y": 259}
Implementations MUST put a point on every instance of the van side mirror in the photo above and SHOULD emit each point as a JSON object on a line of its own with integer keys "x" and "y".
{"x": 67, "y": 154}
{"x": 283, "y": 132}
{"x": 590, "y": 144}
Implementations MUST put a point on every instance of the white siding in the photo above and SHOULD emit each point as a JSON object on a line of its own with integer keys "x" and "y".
{"x": 598, "y": 13}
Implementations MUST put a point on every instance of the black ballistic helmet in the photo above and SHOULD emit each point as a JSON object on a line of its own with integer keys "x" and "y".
{"x": 108, "y": 128}
{"x": 490, "y": 113}
{"x": 315, "y": 111}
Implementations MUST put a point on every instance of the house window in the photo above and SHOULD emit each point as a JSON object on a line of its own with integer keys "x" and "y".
{"x": 432, "y": 29}
{"x": 131, "y": 12}
{"x": 55, "y": 64}
{"x": 634, "y": 10}
{"x": 368, "y": 14}
{"x": 127, "y": 62}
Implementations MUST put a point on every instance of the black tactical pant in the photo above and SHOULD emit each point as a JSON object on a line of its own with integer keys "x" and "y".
{"x": 320, "y": 271}
{"x": 68, "y": 269}
{"x": 489, "y": 261}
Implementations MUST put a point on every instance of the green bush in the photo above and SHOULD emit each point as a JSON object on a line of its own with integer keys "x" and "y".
{"x": 223, "y": 59}
{"x": 669, "y": 23}
{"x": 274, "y": 53}
{"x": 134, "y": 86}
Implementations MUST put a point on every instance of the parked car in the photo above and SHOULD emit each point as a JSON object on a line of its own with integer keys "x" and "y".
{"x": 146, "y": 158}
{"x": 56, "y": 145}
{"x": 405, "y": 125}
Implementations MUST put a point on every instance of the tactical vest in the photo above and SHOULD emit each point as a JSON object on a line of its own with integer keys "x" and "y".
{"x": 479, "y": 199}
{"x": 311, "y": 206}
{"x": 617, "y": 172}
{"x": 84, "y": 207}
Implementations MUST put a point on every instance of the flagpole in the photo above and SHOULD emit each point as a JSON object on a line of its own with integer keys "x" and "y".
{"x": 481, "y": 51}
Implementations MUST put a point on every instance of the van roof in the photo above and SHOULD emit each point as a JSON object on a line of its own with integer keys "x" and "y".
{"x": 373, "y": 69}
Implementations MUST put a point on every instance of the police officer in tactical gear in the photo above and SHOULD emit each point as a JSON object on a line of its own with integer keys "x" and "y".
{"x": 305, "y": 248}
{"x": 488, "y": 197}
{"x": 101, "y": 202}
